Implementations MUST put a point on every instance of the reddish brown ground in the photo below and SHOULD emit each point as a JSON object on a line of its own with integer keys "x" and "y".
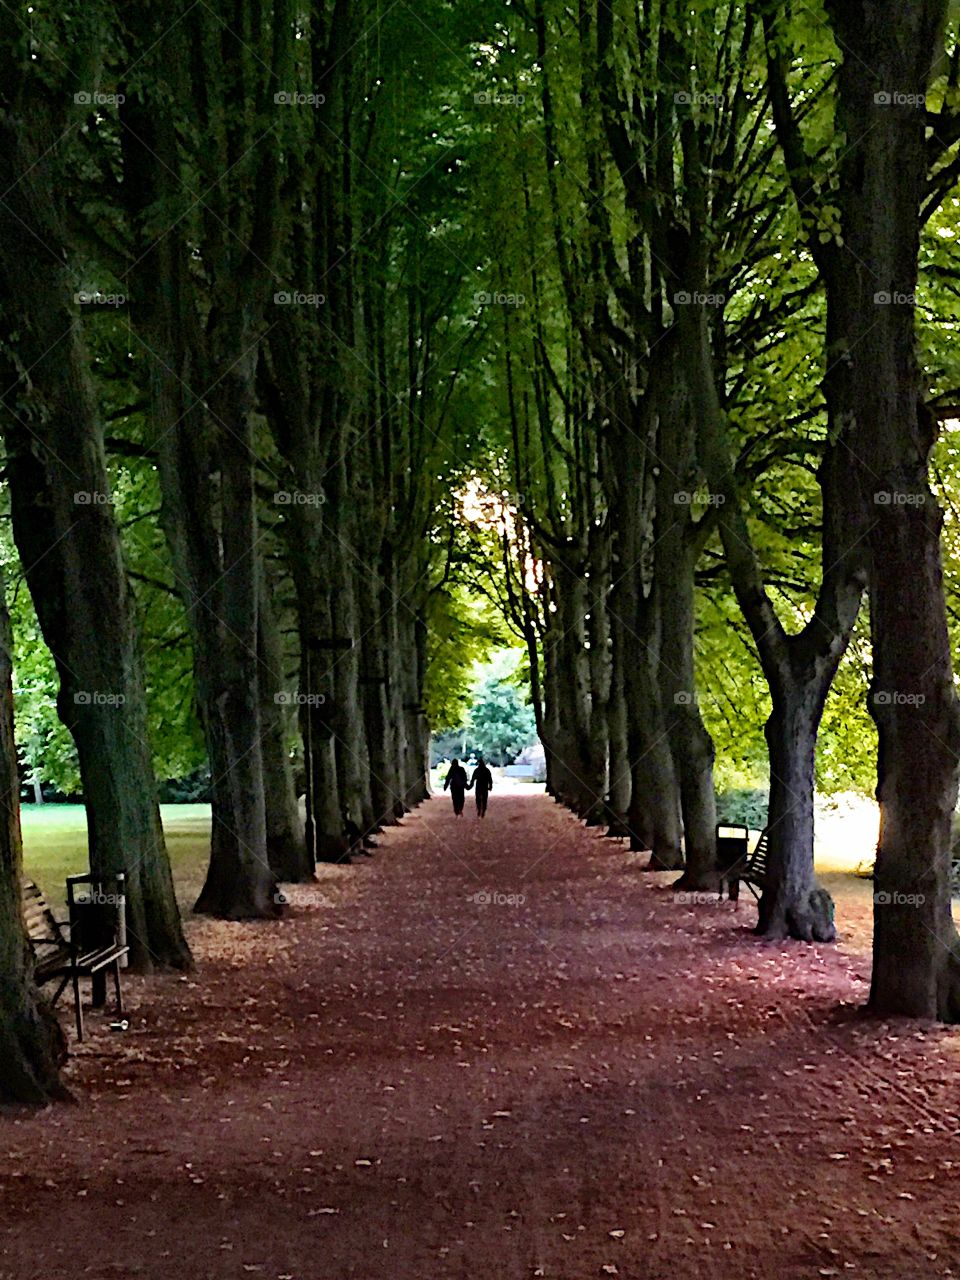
{"x": 401, "y": 1081}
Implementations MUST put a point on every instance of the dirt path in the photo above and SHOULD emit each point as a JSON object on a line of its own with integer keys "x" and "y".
{"x": 567, "y": 1076}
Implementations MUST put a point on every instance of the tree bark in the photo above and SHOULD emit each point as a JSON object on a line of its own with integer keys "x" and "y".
{"x": 799, "y": 668}
{"x": 240, "y": 883}
{"x": 794, "y": 905}
{"x": 601, "y": 674}
{"x": 203, "y": 434}
{"x": 654, "y": 815}
{"x": 582, "y": 789}
{"x": 63, "y": 525}
{"x": 654, "y": 812}
{"x": 889, "y": 433}
{"x": 678, "y": 544}
{"x": 618, "y": 787}
{"x": 286, "y": 845}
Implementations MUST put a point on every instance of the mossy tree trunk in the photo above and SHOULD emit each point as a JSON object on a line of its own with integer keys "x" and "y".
{"x": 64, "y": 528}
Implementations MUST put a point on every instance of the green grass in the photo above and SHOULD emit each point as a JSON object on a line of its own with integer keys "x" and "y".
{"x": 55, "y": 845}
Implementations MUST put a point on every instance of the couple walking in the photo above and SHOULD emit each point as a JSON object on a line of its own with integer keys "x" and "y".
{"x": 482, "y": 782}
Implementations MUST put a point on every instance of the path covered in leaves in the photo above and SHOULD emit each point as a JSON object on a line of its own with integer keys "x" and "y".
{"x": 497, "y": 1050}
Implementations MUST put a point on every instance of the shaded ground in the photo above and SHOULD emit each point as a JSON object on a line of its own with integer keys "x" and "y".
{"x": 408, "y": 1080}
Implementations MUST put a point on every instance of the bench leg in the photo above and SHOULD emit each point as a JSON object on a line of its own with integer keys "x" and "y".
{"x": 78, "y": 1004}
{"x": 116, "y": 986}
{"x": 59, "y": 991}
{"x": 98, "y": 996}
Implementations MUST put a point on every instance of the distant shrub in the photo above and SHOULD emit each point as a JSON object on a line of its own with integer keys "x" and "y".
{"x": 743, "y": 806}
{"x": 194, "y": 788}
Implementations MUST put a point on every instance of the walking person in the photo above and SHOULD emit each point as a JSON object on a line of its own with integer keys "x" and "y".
{"x": 482, "y": 781}
{"x": 456, "y": 781}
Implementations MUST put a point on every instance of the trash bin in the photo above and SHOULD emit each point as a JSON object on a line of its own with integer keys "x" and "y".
{"x": 97, "y": 907}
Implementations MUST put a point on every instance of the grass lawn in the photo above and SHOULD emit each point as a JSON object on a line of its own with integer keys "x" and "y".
{"x": 55, "y": 845}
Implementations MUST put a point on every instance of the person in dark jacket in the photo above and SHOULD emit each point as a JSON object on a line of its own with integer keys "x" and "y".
{"x": 456, "y": 782}
{"x": 482, "y": 782}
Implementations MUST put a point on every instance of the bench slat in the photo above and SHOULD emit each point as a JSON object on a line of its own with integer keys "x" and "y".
{"x": 42, "y": 926}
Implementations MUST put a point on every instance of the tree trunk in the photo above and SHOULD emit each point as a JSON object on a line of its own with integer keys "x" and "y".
{"x": 310, "y": 551}
{"x": 916, "y": 951}
{"x": 63, "y": 525}
{"x": 398, "y": 659}
{"x": 32, "y": 1044}
{"x": 654, "y": 816}
{"x": 418, "y": 731}
{"x": 375, "y": 674}
{"x": 581, "y": 789}
{"x": 286, "y": 845}
{"x": 794, "y": 905}
{"x": 550, "y": 732}
{"x": 677, "y": 549}
{"x": 213, "y": 565}
{"x": 693, "y": 753}
{"x": 601, "y": 681}
{"x": 889, "y": 434}
{"x": 618, "y": 787}
{"x": 240, "y": 883}
{"x": 799, "y": 668}
{"x": 344, "y": 566}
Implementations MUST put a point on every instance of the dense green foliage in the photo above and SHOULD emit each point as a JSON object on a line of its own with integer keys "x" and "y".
{"x": 501, "y": 724}
{"x": 458, "y": 147}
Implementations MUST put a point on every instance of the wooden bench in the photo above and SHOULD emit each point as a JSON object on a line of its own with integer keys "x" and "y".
{"x": 736, "y": 865}
{"x": 62, "y": 953}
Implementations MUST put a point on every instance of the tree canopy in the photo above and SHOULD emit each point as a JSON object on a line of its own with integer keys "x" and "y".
{"x": 344, "y": 345}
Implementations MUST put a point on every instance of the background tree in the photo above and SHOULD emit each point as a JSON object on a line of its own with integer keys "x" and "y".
{"x": 501, "y": 724}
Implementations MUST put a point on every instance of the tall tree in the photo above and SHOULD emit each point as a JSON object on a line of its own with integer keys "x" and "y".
{"x": 889, "y": 432}
{"x": 62, "y": 511}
